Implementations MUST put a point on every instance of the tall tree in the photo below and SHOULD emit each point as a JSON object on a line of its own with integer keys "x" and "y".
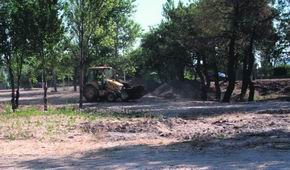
{"x": 84, "y": 17}
{"x": 21, "y": 37}
{"x": 256, "y": 27}
{"x": 47, "y": 33}
{"x": 6, "y": 46}
{"x": 101, "y": 29}
{"x": 16, "y": 41}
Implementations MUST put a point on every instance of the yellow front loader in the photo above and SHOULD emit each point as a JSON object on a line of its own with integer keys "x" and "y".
{"x": 102, "y": 84}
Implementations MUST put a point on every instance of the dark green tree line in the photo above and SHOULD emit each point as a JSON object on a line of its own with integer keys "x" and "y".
{"x": 214, "y": 36}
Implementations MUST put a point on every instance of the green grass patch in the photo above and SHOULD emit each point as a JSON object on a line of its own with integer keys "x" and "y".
{"x": 90, "y": 115}
{"x": 55, "y": 124}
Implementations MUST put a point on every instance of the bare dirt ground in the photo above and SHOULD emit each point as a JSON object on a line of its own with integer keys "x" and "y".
{"x": 237, "y": 141}
{"x": 148, "y": 104}
{"x": 172, "y": 134}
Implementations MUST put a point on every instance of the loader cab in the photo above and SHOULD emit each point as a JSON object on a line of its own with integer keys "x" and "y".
{"x": 99, "y": 74}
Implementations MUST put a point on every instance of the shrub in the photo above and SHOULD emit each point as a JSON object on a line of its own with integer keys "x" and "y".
{"x": 281, "y": 71}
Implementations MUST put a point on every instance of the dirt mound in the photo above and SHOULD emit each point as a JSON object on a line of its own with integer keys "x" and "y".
{"x": 178, "y": 90}
{"x": 266, "y": 87}
{"x": 268, "y": 129}
{"x": 148, "y": 126}
{"x": 170, "y": 128}
{"x": 136, "y": 82}
{"x": 149, "y": 85}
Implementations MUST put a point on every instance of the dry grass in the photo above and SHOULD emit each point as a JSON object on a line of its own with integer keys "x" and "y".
{"x": 53, "y": 125}
{"x": 41, "y": 127}
{"x": 31, "y": 123}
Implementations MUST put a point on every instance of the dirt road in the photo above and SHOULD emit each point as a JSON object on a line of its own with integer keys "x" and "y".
{"x": 190, "y": 134}
{"x": 154, "y": 157}
{"x": 227, "y": 141}
{"x": 149, "y": 104}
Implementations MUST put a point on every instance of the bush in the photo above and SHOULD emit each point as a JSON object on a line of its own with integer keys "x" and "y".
{"x": 281, "y": 71}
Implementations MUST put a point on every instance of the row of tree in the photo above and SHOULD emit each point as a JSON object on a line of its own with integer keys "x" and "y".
{"x": 28, "y": 37}
{"x": 48, "y": 40}
{"x": 212, "y": 36}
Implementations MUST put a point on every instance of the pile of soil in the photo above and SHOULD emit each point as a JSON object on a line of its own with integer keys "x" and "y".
{"x": 149, "y": 85}
{"x": 178, "y": 90}
{"x": 266, "y": 87}
{"x": 136, "y": 82}
{"x": 269, "y": 128}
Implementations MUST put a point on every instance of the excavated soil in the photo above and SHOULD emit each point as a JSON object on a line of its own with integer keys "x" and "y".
{"x": 173, "y": 134}
{"x": 231, "y": 130}
{"x": 178, "y": 90}
{"x": 228, "y": 141}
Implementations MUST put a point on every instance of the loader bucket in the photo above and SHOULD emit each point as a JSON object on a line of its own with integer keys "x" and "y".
{"x": 135, "y": 92}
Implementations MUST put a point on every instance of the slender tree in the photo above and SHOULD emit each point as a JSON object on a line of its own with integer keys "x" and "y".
{"x": 47, "y": 33}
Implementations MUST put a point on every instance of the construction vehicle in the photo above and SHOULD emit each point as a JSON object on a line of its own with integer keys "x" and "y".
{"x": 102, "y": 84}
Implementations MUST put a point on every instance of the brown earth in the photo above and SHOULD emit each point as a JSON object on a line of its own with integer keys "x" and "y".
{"x": 169, "y": 134}
{"x": 274, "y": 89}
{"x": 227, "y": 141}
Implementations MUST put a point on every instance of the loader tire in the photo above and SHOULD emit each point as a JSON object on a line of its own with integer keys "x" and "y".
{"x": 90, "y": 93}
{"x": 111, "y": 97}
{"x": 124, "y": 96}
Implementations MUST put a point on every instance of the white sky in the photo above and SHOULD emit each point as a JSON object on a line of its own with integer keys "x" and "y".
{"x": 149, "y": 12}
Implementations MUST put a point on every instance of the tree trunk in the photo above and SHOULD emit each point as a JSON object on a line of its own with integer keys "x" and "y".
{"x": 81, "y": 67}
{"x": 231, "y": 70}
{"x": 54, "y": 80}
{"x": 205, "y": 70}
{"x": 81, "y": 84}
{"x": 195, "y": 74}
{"x": 17, "y": 90}
{"x": 179, "y": 72}
{"x": 217, "y": 82}
{"x": 75, "y": 78}
{"x": 249, "y": 62}
{"x": 30, "y": 83}
{"x": 232, "y": 63}
{"x": 44, "y": 91}
{"x": 17, "y": 94}
{"x": 19, "y": 73}
{"x": 11, "y": 75}
{"x": 251, "y": 67}
{"x": 202, "y": 80}
{"x": 245, "y": 82}
{"x": 252, "y": 91}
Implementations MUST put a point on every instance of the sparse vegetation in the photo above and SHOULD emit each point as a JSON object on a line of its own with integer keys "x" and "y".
{"x": 199, "y": 68}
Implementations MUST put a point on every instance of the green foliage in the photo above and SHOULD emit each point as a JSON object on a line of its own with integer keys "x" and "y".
{"x": 109, "y": 33}
{"x": 281, "y": 71}
{"x": 203, "y": 28}
{"x": 38, "y": 37}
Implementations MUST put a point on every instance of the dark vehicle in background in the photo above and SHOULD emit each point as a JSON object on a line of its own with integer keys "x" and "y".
{"x": 221, "y": 76}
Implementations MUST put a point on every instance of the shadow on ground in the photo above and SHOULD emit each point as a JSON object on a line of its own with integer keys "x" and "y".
{"x": 35, "y": 97}
{"x": 177, "y": 155}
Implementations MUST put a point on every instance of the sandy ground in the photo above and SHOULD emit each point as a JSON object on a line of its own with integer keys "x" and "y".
{"x": 147, "y": 157}
{"x": 184, "y": 135}
{"x": 231, "y": 141}
{"x": 148, "y": 104}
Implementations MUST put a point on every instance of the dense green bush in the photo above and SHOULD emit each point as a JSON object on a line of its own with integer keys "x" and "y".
{"x": 281, "y": 71}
